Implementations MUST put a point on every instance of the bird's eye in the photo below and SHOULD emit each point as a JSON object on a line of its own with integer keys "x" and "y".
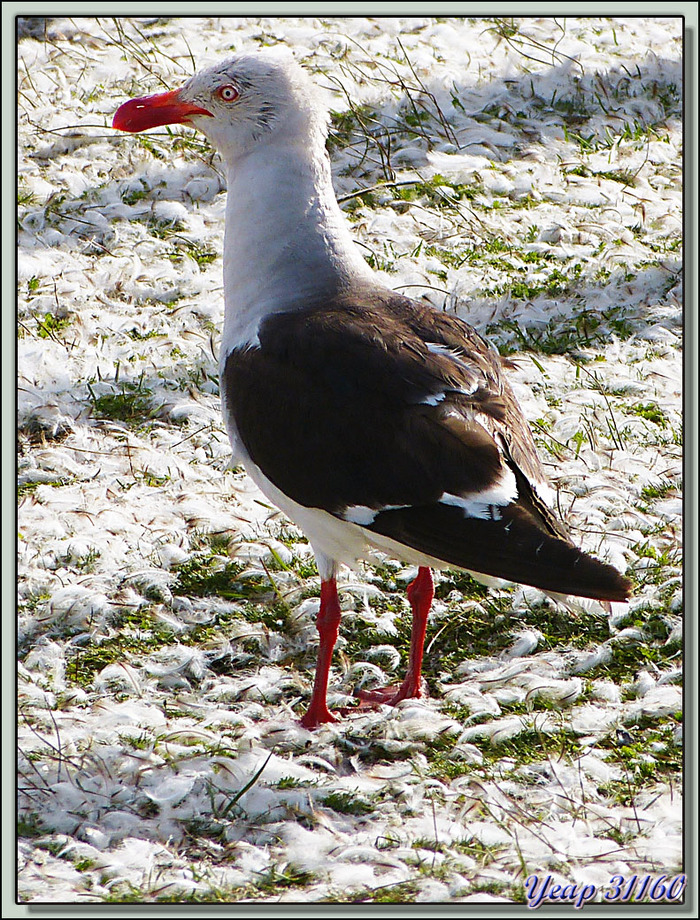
{"x": 228, "y": 93}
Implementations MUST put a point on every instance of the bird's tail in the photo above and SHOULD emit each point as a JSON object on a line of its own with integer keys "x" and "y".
{"x": 511, "y": 545}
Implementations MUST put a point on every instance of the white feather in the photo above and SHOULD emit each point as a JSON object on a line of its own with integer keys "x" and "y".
{"x": 485, "y": 504}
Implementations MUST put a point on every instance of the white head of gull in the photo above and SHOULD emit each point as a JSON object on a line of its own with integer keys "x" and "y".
{"x": 372, "y": 421}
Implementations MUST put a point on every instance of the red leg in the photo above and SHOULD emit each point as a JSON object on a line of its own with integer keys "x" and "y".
{"x": 327, "y": 621}
{"x": 420, "y": 596}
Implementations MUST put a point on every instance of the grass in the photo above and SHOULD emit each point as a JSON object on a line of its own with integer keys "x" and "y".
{"x": 485, "y": 627}
{"x": 666, "y": 563}
{"x": 660, "y": 489}
{"x": 476, "y": 623}
{"x": 132, "y": 196}
{"x": 25, "y": 197}
{"x": 288, "y": 876}
{"x": 134, "y": 636}
{"x": 126, "y": 401}
{"x": 347, "y": 804}
{"x": 29, "y": 825}
{"x": 139, "y": 336}
{"x": 396, "y": 893}
{"x": 648, "y": 756}
{"x": 347, "y": 126}
{"x": 529, "y": 746}
{"x": 163, "y": 229}
{"x": 33, "y": 602}
{"x": 293, "y": 782}
{"x": 627, "y": 659}
{"x": 563, "y": 334}
{"x": 49, "y": 325}
{"x": 650, "y": 412}
{"x": 202, "y": 255}
{"x": 206, "y": 574}
{"x": 29, "y": 488}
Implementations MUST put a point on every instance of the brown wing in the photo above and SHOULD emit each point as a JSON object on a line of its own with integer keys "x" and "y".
{"x": 399, "y": 418}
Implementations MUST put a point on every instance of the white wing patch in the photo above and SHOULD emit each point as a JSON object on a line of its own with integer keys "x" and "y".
{"x": 485, "y": 504}
{"x": 360, "y": 514}
{"x": 545, "y": 492}
{"x": 364, "y": 515}
{"x": 436, "y": 398}
{"x": 433, "y": 400}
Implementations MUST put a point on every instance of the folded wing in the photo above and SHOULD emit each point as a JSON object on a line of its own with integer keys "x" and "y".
{"x": 410, "y": 430}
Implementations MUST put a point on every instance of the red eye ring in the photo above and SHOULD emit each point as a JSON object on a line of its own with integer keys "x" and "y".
{"x": 228, "y": 92}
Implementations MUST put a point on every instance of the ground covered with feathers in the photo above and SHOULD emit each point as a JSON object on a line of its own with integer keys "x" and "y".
{"x": 523, "y": 173}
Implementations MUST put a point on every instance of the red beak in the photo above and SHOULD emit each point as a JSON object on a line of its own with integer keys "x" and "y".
{"x": 152, "y": 111}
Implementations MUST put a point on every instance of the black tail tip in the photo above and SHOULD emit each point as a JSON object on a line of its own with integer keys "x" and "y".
{"x": 616, "y": 588}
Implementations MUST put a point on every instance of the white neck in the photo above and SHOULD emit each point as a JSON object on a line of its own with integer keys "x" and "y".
{"x": 287, "y": 242}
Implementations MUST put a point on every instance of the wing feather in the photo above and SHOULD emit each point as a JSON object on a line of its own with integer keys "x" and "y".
{"x": 400, "y": 419}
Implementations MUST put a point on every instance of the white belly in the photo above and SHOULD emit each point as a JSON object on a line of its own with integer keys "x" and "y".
{"x": 333, "y": 540}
